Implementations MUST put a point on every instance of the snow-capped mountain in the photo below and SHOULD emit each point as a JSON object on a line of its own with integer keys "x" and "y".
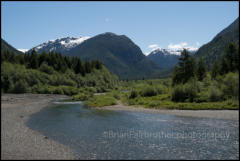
{"x": 167, "y": 58}
{"x": 165, "y": 52}
{"x": 62, "y": 45}
{"x": 171, "y": 51}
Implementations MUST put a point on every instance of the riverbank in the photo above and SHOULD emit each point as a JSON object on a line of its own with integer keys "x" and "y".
{"x": 217, "y": 114}
{"x": 20, "y": 142}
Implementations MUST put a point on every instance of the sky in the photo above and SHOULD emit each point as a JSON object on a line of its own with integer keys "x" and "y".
{"x": 150, "y": 25}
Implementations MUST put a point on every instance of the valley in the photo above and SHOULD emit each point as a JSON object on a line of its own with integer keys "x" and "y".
{"x": 90, "y": 80}
{"x": 80, "y": 73}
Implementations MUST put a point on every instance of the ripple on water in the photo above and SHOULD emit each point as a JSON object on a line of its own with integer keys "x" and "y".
{"x": 104, "y": 134}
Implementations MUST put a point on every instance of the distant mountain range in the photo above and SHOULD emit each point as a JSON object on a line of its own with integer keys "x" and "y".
{"x": 125, "y": 59}
{"x": 214, "y": 49}
{"x": 119, "y": 54}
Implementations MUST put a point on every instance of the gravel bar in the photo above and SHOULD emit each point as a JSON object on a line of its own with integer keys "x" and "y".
{"x": 20, "y": 142}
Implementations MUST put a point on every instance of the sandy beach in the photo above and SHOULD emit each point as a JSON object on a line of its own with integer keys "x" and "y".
{"x": 20, "y": 142}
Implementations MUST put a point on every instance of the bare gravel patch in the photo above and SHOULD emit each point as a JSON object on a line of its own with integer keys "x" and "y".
{"x": 20, "y": 142}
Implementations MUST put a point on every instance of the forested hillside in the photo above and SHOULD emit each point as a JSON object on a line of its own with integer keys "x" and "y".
{"x": 214, "y": 49}
{"x": 53, "y": 73}
{"x": 5, "y": 47}
{"x": 118, "y": 53}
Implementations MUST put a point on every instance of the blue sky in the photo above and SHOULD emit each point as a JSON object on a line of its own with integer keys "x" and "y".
{"x": 148, "y": 24}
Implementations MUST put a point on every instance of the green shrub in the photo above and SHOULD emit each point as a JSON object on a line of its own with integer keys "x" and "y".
{"x": 116, "y": 95}
{"x": 70, "y": 90}
{"x": 178, "y": 94}
{"x": 185, "y": 92}
{"x": 58, "y": 90}
{"x": 231, "y": 85}
{"x": 191, "y": 90}
{"x": 160, "y": 89}
{"x": 46, "y": 69}
{"x": 148, "y": 92}
{"x": 91, "y": 89}
{"x": 202, "y": 97}
{"x": 133, "y": 94}
{"x": 215, "y": 94}
{"x": 81, "y": 97}
{"x": 100, "y": 100}
{"x": 101, "y": 89}
{"x": 207, "y": 80}
{"x": 21, "y": 86}
{"x": 68, "y": 82}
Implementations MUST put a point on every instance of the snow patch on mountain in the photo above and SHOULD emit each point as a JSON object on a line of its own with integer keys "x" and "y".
{"x": 172, "y": 51}
{"x": 72, "y": 42}
{"x": 23, "y": 50}
{"x": 64, "y": 43}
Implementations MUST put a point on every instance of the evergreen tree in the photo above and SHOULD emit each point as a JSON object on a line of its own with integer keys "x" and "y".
{"x": 19, "y": 59}
{"x": 6, "y": 83}
{"x": 230, "y": 59}
{"x": 201, "y": 69}
{"x": 62, "y": 66}
{"x": 87, "y": 66}
{"x": 224, "y": 66}
{"x": 98, "y": 65}
{"x": 79, "y": 69}
{"x": 10, "y": 56}
{"x": 51, "y": 60}
{"x": 231, "y": 49}
{"x": 236, "y": 60}
{"x": 74, "y": 61}
{"x": 82, "y": 69}
{"x": 185, "y": 69}
{"x": 67, "y": 61}
{"x": 26, "y": 57}
{"x": 215, "y": 70}
{"x": 43, "y": 57}
{"x": 3, "y": 57}
{"x": 176, "y": 77}
{"x": 33, "y": 60}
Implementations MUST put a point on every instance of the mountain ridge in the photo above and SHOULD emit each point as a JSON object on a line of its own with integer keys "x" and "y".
{"x": 6, "y": 46}
{"x": 214, "y": 49}
{"x": 119, "y": 54}
{"x": 60, "y": 45}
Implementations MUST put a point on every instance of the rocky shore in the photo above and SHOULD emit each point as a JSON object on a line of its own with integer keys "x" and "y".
{"x": 20, "y": 142}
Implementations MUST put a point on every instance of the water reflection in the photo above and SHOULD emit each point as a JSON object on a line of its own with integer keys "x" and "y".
{"x": 104, "y": 134}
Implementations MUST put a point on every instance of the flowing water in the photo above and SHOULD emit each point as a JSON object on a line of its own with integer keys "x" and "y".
{"x": 105, "y": 134}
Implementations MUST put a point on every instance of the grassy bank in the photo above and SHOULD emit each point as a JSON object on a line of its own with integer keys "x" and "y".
{"x": 159, "y": 102}
{"x": 159, "y": 94}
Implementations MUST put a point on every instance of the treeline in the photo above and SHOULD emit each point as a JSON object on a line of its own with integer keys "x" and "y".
{"x": 191, "y": 81}
{"x": 54, "y": 74}
{"x": 55, "y": 60}
{"x": 228, "y": 63}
